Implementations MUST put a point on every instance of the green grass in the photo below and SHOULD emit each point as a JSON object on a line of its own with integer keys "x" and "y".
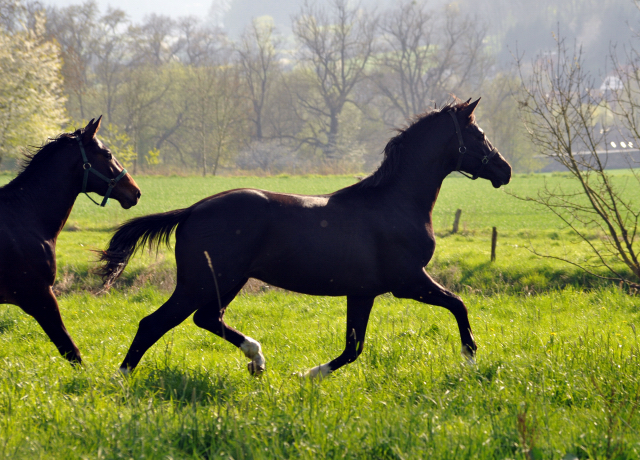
{"x": 564, "y": 364}
{"x": 556, "y": 373}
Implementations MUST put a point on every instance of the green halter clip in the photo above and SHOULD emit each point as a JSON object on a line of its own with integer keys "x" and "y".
{"x": 88, "y": 168}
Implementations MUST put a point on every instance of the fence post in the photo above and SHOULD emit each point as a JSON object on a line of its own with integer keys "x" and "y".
{"x": 456, "y": 221}
{"x": 494, "y": 240}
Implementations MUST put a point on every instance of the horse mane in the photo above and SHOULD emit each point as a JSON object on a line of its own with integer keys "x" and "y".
{"x": 34, "y": 158}
{"x": 393, "y": 151}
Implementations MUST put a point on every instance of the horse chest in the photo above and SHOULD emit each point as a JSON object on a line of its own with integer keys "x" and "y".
{"x": 25, "y": 260}
{"x": 409, "y": 241}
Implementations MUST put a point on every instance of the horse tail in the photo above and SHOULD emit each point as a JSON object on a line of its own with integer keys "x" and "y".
{"x": 152, "y": 231}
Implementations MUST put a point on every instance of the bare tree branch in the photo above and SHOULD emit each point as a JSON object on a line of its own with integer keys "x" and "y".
{"x": 568, "y": 118}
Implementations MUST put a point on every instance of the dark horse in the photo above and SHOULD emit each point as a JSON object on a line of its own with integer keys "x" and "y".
{"x": 367, "y": 239}
{"x": 33, "y": 209}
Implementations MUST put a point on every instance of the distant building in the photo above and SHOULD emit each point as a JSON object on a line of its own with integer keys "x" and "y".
{"x": 611, "y": 83}
{"x": 617, "y": 150}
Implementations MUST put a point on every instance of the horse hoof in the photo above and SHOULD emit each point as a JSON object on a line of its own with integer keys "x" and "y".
{"x": 124, "y": 371}
{"x": 255, "y": 369}
{"x": 468, "y": 355}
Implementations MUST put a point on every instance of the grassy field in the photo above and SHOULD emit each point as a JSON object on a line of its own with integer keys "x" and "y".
{"x": 557, "y": 372}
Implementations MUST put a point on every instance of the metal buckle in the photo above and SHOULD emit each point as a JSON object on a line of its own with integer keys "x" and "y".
{"x": 86, "y": 166}
{"x": 462, "y": 149}
{"x": 485, "y": 160}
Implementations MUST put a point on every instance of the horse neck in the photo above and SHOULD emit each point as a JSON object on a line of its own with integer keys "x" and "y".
{"x": 419, "y": 182}
{"x": 422, "y": 188}
{"x": 47, "y": 195}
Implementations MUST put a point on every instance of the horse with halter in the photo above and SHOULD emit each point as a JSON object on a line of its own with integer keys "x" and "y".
{"x": 34, "y": 207}
{"x": 367, "y": 239}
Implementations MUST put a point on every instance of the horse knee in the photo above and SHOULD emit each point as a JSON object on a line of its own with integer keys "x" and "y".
{"x": 146, "y": 323}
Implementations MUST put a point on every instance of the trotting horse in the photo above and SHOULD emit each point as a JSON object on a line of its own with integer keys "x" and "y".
{"x": 364, "y": 240}
{"x": 34, "y": 207}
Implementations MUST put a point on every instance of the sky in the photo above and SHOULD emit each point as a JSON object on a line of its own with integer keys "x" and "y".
{"x": 525, "y": 28}
{"x": 234, "y": 15}
{"x": 138, "y": 9}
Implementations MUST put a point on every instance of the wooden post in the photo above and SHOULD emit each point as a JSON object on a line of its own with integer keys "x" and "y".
{"x": 494, "y": 240}
{"x": 456, "y": 221}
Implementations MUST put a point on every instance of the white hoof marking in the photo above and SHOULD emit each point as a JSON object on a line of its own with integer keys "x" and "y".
{"x": 252, "y": 350}
{"x": 317, "y": 372}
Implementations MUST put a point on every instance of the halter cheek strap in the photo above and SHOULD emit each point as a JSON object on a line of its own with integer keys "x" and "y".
{"x": 88, "y": 168}
{"x": 462, "y": 150}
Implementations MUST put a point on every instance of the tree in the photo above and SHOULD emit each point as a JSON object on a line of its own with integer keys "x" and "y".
{"x": 144, "y": 90}
{"x": 258, "y": 52}
{"x": 153, "y": 41}
{"x": 111, "y": 48}
{"x": 499, "y": 115}
{"x": 217, "y": 114}
{"x": 74, "y": 29}
{"x": 425, "y": 57}
{"x": 198, "y": 44}
{"x": 335, "y": 49}
{"x": 31, "y": 99}
{"x": 568, "y": 120}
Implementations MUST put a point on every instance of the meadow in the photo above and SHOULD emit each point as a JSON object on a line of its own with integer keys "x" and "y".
{"x": 556, "y": 374}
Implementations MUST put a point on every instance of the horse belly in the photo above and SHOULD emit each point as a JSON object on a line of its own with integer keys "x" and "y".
{"x": 305, "y": 264}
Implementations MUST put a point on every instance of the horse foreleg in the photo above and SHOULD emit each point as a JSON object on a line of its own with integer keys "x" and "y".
{"x": 427, "y": 290}
{"x": 44, "y": 308}
{"x": 210, "y": 318}
{"x": 173, "y": 312}
{"x": 358, "y": 311}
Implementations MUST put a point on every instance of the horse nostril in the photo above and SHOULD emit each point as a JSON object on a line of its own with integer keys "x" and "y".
{"x": 139, "y": 194}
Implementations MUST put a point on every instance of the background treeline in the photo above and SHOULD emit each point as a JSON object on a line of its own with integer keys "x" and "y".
{"x": 181, "y": 95}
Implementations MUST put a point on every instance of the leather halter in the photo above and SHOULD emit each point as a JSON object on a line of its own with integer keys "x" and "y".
{"x": 88, "y": 168}
{"x": 462, "y": 150}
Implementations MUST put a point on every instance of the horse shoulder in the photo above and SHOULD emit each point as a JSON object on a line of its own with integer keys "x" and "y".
{"x": 21, "y": 241}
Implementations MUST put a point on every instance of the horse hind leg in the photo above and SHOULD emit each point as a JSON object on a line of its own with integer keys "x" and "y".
{"x": 151, "y": 328}
{"x": 210, "y": 317}
{"x": 358, "y": 311}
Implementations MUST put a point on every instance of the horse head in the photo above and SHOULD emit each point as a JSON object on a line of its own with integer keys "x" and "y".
{"x": 102, "y": 173}
{"x": 474, "y": 155}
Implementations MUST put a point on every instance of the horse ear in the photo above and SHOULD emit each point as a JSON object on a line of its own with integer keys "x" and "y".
{"x": 92, "y": 128}
{"x": 99, "y": 120}
{"x": 468, "y": 111}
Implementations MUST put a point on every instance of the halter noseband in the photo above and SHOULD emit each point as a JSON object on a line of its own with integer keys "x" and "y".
{"x": 462, "y": 150}
{"x": 88, "y": 168}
